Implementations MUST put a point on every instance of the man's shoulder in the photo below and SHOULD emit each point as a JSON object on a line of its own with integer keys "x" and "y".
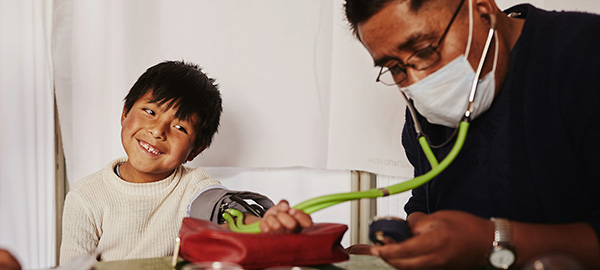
{"x": 568, "y": 29}
{"x": 557, "y": 48}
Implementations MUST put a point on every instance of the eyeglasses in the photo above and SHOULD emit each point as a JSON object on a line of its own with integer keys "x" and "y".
{"x": 419, "y": 60}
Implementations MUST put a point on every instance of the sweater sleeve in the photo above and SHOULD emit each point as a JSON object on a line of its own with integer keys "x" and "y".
{"x": 79, "y": 232}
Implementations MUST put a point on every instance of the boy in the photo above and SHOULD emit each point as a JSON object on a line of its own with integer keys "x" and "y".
{"x": 134, "y": 206}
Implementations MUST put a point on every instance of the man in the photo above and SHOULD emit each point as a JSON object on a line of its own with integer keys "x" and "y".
{"x": 524, "y": 183}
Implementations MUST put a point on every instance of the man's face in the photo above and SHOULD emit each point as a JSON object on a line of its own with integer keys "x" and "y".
{"x": 396, "y": 32}
{"x": 155, "y": 140}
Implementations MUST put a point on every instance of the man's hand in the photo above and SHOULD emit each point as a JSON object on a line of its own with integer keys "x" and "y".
{"x": 283, "y": 219}
{"x": 442, "y": 240}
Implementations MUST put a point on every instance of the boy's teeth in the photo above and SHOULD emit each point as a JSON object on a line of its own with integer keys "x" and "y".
{"x": 149, "y": 148}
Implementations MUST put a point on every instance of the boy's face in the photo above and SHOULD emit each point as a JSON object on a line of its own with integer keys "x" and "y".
{"x": 155, "y": 140}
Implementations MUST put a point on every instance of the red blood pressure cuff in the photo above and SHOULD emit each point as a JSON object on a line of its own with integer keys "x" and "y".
{"x": 202, "y": 240}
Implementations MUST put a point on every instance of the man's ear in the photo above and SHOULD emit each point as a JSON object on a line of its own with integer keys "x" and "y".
{"x": 487, "y": 10}
{"x": 196, "y": 152}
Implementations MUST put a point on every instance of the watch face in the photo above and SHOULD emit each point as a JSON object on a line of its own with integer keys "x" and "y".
{"x": 502, "y": 258}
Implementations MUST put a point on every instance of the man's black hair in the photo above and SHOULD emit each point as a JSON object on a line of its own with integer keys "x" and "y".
{"x": 359, "y": 11}
{"x": 183, "y": 86}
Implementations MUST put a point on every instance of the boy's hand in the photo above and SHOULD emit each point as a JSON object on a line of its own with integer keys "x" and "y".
{"x": 283, "y": 219}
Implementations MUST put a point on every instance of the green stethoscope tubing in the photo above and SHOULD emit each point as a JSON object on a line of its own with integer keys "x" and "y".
{"x": 315, "y": 204}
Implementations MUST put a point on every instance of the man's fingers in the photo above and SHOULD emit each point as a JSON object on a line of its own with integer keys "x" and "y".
{"x": 427, "y": 261}
{"x": 412, "y": 247}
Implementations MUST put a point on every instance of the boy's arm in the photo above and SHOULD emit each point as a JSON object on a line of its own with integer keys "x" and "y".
{"x": 210, "y": 202}
{"x": 280, "y": 218}
{"x": 79, "y": 234}
{"x": 283, "y": 219}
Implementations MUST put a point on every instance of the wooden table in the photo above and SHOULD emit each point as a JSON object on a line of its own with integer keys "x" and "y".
{"x": 356, "y": 262}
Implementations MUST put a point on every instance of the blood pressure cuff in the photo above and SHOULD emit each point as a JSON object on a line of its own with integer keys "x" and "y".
{"x": 210, "y": 203}
{"x": 202, "y": 241}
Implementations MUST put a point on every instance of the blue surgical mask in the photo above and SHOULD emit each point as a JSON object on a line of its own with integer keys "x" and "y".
{"x": 442, "y": 96}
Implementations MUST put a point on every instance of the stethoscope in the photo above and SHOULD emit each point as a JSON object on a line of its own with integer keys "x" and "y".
{"x": 235, "y": 218}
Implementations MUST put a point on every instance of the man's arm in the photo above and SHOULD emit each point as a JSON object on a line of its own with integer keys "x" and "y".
{"x": 455, "y": 239}
{"x": 578, "y": 240}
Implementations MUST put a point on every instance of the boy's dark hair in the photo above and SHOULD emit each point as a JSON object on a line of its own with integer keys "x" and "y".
{"x": 359, "y": 11}
{"x": 183, "y": 86}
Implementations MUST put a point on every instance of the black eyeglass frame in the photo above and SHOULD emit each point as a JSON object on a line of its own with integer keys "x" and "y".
{"x": 431, "y": 49}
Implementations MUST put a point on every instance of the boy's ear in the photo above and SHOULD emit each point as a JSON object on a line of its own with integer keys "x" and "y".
{"x": 123, "y": 115}
{"x": 195, "y": 153}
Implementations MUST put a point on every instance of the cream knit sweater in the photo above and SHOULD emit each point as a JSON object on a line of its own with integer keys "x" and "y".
{"x": 126, "y": 220}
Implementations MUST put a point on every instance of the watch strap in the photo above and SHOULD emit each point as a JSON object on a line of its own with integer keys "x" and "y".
{"x": 502, "y": 233}
{"x": 503, "y": 255}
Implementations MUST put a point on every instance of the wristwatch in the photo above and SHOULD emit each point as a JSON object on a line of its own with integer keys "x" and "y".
{"x": 503, "y": 254}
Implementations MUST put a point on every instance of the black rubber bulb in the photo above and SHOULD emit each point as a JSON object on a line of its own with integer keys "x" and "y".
{"x": 388, "y": 230}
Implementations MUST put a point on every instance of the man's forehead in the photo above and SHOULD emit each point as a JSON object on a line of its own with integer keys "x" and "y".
{"x": 394, "y": 27}
{"x": 398, "y": 27}
{"x": 394, "y": 14}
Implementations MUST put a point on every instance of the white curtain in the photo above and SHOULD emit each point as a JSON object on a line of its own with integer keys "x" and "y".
{"x": 27, "y": 172}
{"x": 298, "y": 89}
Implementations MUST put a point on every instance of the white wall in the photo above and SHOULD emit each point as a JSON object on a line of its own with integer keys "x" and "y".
{"x": 297, "y": 87}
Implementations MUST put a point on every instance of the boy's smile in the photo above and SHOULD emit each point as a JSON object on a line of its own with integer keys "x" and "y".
{"x": 150, "y": 148}
{"x": 156, "y": 141}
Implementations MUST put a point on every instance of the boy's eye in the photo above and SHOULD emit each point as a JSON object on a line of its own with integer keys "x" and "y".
{"x": 181, "y": 128}
{"x": 149, "y": 111}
